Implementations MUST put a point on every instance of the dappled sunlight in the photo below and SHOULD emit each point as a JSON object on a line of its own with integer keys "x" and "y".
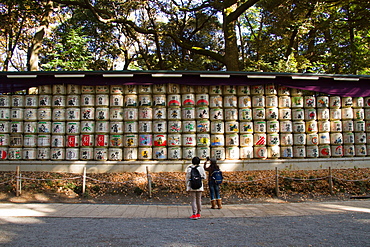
{"x": 346, "y": 208}
{"x": 19, "y": 210}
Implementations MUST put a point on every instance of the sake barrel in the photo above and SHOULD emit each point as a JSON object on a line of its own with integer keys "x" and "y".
{"x": 102, "y": 113}
{"x": 116, "y": 100}
{"x": 59, "y": 89}
{"x": 285, "y": 102}
{"x": 323, "y": 126}
{"x": 259, "y": 113}
{"x": 246, "y": 153}
{"x": 324, "y": 138}
{"x": 348, "y": 150}
{"x": 334, "y": 102}
{"x": 359, "y": 126}
{"x": 174, "y": 126}
{"x": 323, "y": 114}
{"x": 44, "y": 127}
{"x": 174, "y": 153}
{"x": 101, "y": 89}
{"x": 29, "y": 153}
{"x": 246, "y": 140}
{"x": 285, "y": 114}
{"x": 202, "y": 99}
{"x": 347, "y": 113}
{"x": 145, "y": 126}
{"x": 310, "y": 114}
{"x": 358, "y": 114}
{"x": 218, "y": 153}
{"x": 86, "y": 153}
{"x": 257, "y": 89}
{"x": 88, "y": 127}
{"x": 87, "y": 140}
{"x": 14, "y": 153}
{"x": 299, "y": 152}
{"x": 115, "y": 154}
{"x": 130, "y": 127}
{"x": 231, "y": 140}
{"x": 215, "y": 101}
{"x": 202, "y": 140}
{"x": 145, "y": 113}
{"x": 145, "y": 153}
{"x": 174, "y": 139}
{"x": 159, "y": 100}
{"x": 160, "y": 153}
{"x": 16, "y": 114}
{"x": 232, "y": 153}
{"x": 58, "y": 101}
{"x": 59, "y": 114}
{"x": 312, "y": 139}
{"x": 272, "y": 113}
{"x": 160, "y": 140}
{"x": 4, "y": 100}
{"x": 130, "y": 100}
{"x": 358, "y": 102}
{"x": 115, "y": 140}
{"x": 4, "y": 113}
{"x": 16, "y": 127}
{"x": 297, "y": 102}
{"x": 311, "y": 126}
{"x": 336, "y": 138}
{"x": 231, "y": 127}
{"x": 188, "y": 99}
{"x": 57, "y": 141}
{"x": 217, "y": 140}
{"x": 130, "y": 140}
{"x": 45, "y": 100}
{"x": 337, "y": 150}
{"x": 73, "y": 89}
{"x": 117, "y": 113}
{"x": 203, "y": 126}
{"x": 57, "y": 153}
{"x": 243, "y": 90}
{"x": 322, "y": 101}
{"x": 245, "y": 127}
{"x": 188, "y": 152}
{"x": 298, "y": 126}
{"x": 73, "y": 114}
{"x": 335, "y": 114}
{"x": 85, "y": 89}
{"x": 283, "y": 90}
{"x": 231, "y": 114}
{"x": 5, "y": 140}
{"x": 215, "y": 89}
{"x": 4, "y": 126}
{"x": 230, "y": 101}
{"x": 270, "y": 89}
{"x": 100, "y": 154}
{"x": 245, "y": 101}
{"x": 309, "y": 101}
{"x": 258, "y": 101}
{"x": 286, "y": 126}
{"x": 272, "y": 126}
{"x": 203, "y": 152}
{"x": 298, "y": 114}
{"x": 260, "y": 152}
{"x": 43, "y": 153}
{"x": 15, "y": 140}
{"x": 360, "y": 137}
{"x": 130, "y": 89}
{"x": 130, "y": 114}
{"x": 217, "y": 127}
{"x": 174, "y": 113}
{"x": 28, "y": 127}
{"x": 324, "y": 151}
{"x": 367, "y": 126}
{"x": 360, "y": 150}
{"x": 43, "y": 140}
{"x": 336, "y": 126}
{"x": 286, "y": 152}
{"x": 173, "y": 88}
{"x": 72, "y": 141}
{"x": 145, "y": 89}
{"x": 273, "y": 152}
{"x": 73, "y": 128}
{"x": 347, "y": 102}
{"x": 273, "y": 139}
{"x": 116, "y": 127}
{"x": 260, "y": 126}
{"x": 17, "y": 100}
{"x": 159, "y": 113}
{"x": 216, "y": 114}
{"x": 188, "y": 113}
{"x": 271, "y": 101}
{"x": 174, "y": 100}
{"x": 130, "y": 153}
{"x": 31, "y": 101}
{"x": 145, "y": 140}
{"x": 259, "y": 139}
{"x": 145, "y": 100}
{"x": 348, "y": 138}
{"x": 101, "y": 140}
{"x": 286, "y": 139}
{"x": 87, "y": 113}
{"x": 44, "y": 114}
{"x": 367, "y": 113}
{"x": 299, "y": 139}
{"x": 189, "y": 126}
{"x": 229, "y": 89}
{"x": 312, "y": 151}
{"x": 245, "y": 114}
{"x": 159, "y": 88}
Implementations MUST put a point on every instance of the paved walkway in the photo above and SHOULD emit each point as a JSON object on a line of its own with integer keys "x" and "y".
{"x": 180, "y": 211}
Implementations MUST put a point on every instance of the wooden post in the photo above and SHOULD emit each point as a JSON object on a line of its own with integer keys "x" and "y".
{"x": 149, "y": 182}
{"x": 330, "y": 181}
{"x": 18, "y": 182}
{"x": 277, "y": 192}
{"x": 84, "y": 181}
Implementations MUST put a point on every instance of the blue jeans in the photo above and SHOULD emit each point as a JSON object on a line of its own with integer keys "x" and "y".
{"x": 214, "y": 190}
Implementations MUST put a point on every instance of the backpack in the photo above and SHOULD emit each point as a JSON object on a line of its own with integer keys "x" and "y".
{"x": 195, "y": 178}
{"x": 217, "y": 176}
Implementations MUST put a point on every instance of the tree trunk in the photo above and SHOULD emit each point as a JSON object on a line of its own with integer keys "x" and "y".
{"x": 231, "y": 47}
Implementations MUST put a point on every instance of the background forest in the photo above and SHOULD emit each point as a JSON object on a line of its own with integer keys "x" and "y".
{"x": 318, "y": 36}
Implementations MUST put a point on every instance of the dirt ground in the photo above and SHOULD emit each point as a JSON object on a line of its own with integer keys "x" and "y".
{"x": 169, "y": 188}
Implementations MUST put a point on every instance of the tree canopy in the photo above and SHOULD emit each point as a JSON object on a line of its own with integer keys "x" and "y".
{"x": 321, "y": 36}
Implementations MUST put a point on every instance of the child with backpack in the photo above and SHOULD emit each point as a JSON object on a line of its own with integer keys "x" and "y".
{"x": 214, "y": 181}
{"x": 194, "y": 186}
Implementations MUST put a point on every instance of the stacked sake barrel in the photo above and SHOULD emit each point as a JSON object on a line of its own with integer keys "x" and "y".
{"x": 245, "y": 122}
{"x": 231, "y": 114}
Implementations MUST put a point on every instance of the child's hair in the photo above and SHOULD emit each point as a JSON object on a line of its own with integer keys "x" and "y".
{"x": 214, "y": 163}
{"x": 196, "y": 161}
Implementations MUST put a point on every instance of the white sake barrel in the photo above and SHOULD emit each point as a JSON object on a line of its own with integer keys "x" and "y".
{"x": 358, "y": 102}
{"x": 334, "y": 102}
{"x": 243, "y": 90}
{"x": 102, "y": 127}
{"x": 57, "y": 141}
{"x": 324, "y": 151}
{"x": 174, "y": 126}
{"x": 283, "y": 90}
{"x": 358, "y": 113}
{"x": 189, "y": 140}
{"x": 335, "y": 114}
{"x": 85, "y": 153}
{"x": 59, "y": 114}
{"x": 174, "y": 139}
{"x": 285, "y": 102}
{"x": 337, "y": 150}
{"x": 271, "y": 101}
{"x": 257, "y": 89}
{"x": 173, "y": 88}
{"x": 271, "y": 89}
{"x": 15, "y": 140}
{"x": 203, "y": 152}
{"x": 87, "y": 89}
{"x": 145, "y": 126}
{"x": 87, "y": 140}
{"x": 72, "y": 141}
{"x": 259, "y": 113}
{"x": 286, "y": 139}
{"x": 187, "y": 89}
{"x": 29, "y": 153}
{"x": 367, "y": 126}
{"x": 58, "y": 101}
{"x": 246, "y": 153}
{"x": 245, "y": 101}
{"x": 246, "y": 140}
{"x": 231, "y": 127}
{"x": 299, "y": 139}
{"x": 312, "y": 151}
{"x": 159, "y": 153}
{"x": 359, "y": 126}
{"x": 130, "y": 89}
{"x": 5, "y": 139}
{"x": 347, "y": 113}
{"x": 231, "y": 114}
{"x": 324, "y": 126}
{"x": 3, "y": 153}
{"x": 260, "y": 126}
{"x": 43, "y": 153}
{"x": 130, "y": 114}
{"x": 73, "y": 89}
{"x": 272, "y": 113}
{"x": 116, "y": 141}
{"x": 87, "y": 100}
{"x": 159, "y": 88}
{"x": 348, "y": 150}
{"x": 347, "y": 125}
{"x": 229, "y": 89}
{"x": 273, "y": 152}
{"x": 4, "y": 113}
{"x": 116, "y": 127}
{"x": 367, "y": 113}
{"x": 174, "y": 153}
{"x": 145, "y": 140}
{"x": 73, "y": 101}
{"x": 258, "y": 101}
{"x": 188, "y": 99}
{"x": 285, "y": 114}
{"x": 298, "y": 114}
{"x": 336, "y": 126}
{"x": 130, "y": 140}
{"x": 57, "y": 153}
{"x": 348, "y": 138}
{"x": 87, "y": 127}
{"x": 16, "y": 114}
{"x": 324, "y": 138}
{"x": 29, "y": 127}
{"x": 245, "y": 114}
{"x": 16, "y": 127}
{"x": 14, "y": 153}
{"x": 31, "y": 101}
{"x": 260, "y": 152}
{"x": 232, "y": 153}
{"x": 17, "y": 100}
{"x": 174, "y": 113}
{"x": 43, "y": 140}
{"x": 230, "y": 101}
{"x": 202, "y": 140}
{"x": 286, "y": 126}
{"x": 202, "y": 126}
{"x": 102, "y": 100}
{"x": 100, "y": 154}
{"x": 299, "y": 152}
{"x": 189, "y": 126}
{"x": 116, "y": 100}
{"x": 215, "y": 89}
{"x": 322, "y": 101}
{"x": 59, "y": 89}
{"x": 73, "y": 128}
{"x": 145, "y": 113}
{"x": 360, "y": 137}
{"x": 311, "y": 126}
{"x": 159, "y": 113}
{"x": 115, "y": 154}
{"x": 159, "y": 100}
{"x": 299, "y": 126}
{"x": 102, "y": 89}
{"x": 217, "y": 140}
{"x": 272, "y": 126}
{"x": 360, "y": 150}
{"x": 44, "y": 114}
{"x": 310, "y": 114}
{"x": 202, "y": 100}
{"x": 102, "y": 113}
{"x": 118, "y": 113}
{"x": 45, "y": 100}
{"x": 145, "y": 89}
{"x": 130, "y": 100}
{"x": 4, "y": 100}
{"x": 188, "y": 113}
{"x": 215, "y": 101}
{"x": 297, "y": 102}
{"x": 216, "y": 114}
{"x": 286, "y": 152}
{"x": 5, "y": 127}
{"x": 130, "y": 153}
{"x": 188, "y": 152}
{"x": 312, "y": 139}
{"x": 218, "y": 153}
{"x": 159, "y": 126}
{"x": 323, "y": 114}
{"x": 44, "y": 89}
{"x": 245, "y": 127}
{"x": 347, "y": 102}
{"x": 174, "y": 100}
{"x": 217, "y": 127}
{"x": 259, "y": 139}
{"x": 44, "y": 127}
{"x": 309, "y": 102}
{"x": 101, "y": 140}
{"x": 336, "y": 138}
{"x": 87, "y": 113}
{"x": 231, "y": 140}
{"x": 273, "y": 139}
{"x": 145, "y": 100}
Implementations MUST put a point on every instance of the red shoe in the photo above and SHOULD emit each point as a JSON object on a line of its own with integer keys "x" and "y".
{"x": 198, "y": 216}
{"x": 193, "y": 217}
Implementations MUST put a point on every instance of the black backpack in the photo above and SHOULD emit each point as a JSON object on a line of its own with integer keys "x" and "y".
{"x": 195, "y": 178}
{"x": 217, "y": 176}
